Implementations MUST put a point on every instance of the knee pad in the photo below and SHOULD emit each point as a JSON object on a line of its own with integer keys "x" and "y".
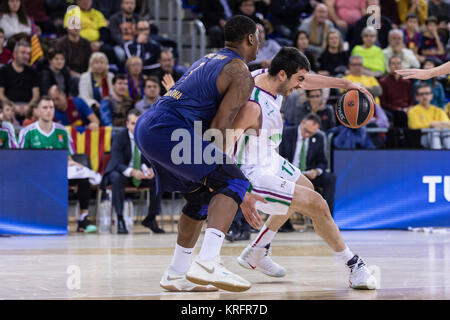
{"x": 197, "y": 203}
{"x": 228, "y": 179}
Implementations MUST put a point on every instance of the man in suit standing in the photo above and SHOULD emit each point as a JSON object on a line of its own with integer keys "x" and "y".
{"x": 304, "y": 147}
{"x": 128, "y": 167}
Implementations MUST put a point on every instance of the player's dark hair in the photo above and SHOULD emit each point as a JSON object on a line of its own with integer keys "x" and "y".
{"x": 289, "y": 59}
{"x": 238, "y": 27}
{"x": 312, "y": 117}
{"x": 119, "y": 76}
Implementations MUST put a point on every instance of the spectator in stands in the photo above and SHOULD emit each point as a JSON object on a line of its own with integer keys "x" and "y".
{"x": 334, "y": 59}
{"x": 128, "y": 167}
{"x": 143, "y": 47}
{"x": 397, "y": 97}
{"x": 345, "y": 13}
{"x": 37, "y": 11}
{"x": 19, "y": 83}
{"x": 7, "y": 133}
{"x": 14, "y": 18}
{"x": 285, "y": 16}
{"x": 373, "y": 57}
{"x": 123, "y": 27}
{"x": 389, "y": 9}
{"x": 32, "y": 115}
{"x": 72, "y": 111}
{"x": 77, "y": 50}
{"x": 301, "y": 42}
{"x": 247, "y": 8}
{"x": 107, "y": 7}
{"x": 93, "y": 28}
{"x": 441, "y": 10}
{"x": 8, "y": 113}
{"x": 397, "y": 47}
{"x": 5, "y": 54}
{"x": 317, "y": 26}
{"x": 268, "y": 48}
{"x": 215, "y": 14}
{"x": 417, "y": 7}
{"x": 425, "y": 115}
{"x": 114, "y": 107}
{"x": 56, "y": 73}
{"x": 316, "y": 104}
{"x": 412, "y": 35}
{"x": 46, "y": 134}
{"x": 439, "y": 99}
{"x": 431, "y": 45}
{"x": 304, "y": 147}
{"x": 382, "y": 35}
{"x": 135, "y": 78}
{"x": 166, "y": 73}
{"x": 56, "y": 9}
{"x": 356, "y": 75}
{"x": 152, "y": 91}
{"x": 96, "y": 83}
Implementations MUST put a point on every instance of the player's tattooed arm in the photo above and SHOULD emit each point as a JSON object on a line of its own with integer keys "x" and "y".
{"x": 235, "y": 84}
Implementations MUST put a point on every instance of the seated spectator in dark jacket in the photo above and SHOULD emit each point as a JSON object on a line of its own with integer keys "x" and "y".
{"x": 285, "y": 16}
{"x": 72, "y": 111}
{"x": 5, "y": 54}
{"x": 37, "y": 10}
{"x": 301, "y": 42}
{"x": 19, "y": 83}
{"x": 77, "y": 50}
{"x": 123, "y": 27}
{"x": 247, "y": 8}
{"x": 316, "y": 104}
{"x": 439, "y": 99}
{"x": 268, "y": 49}
{"x": 166, "y": 73}
{"x": 304, "y": 147}
{"x": 215, "y": 14}
{"x": 152, "y": 91}
{"x": 128, "y": 167}
{"x": 56, "y": 73}
{"x": 114, "y": 108}
{"x": 397, "y": 97}
{"x": 107, "y": 7}
{"x": 334, "y": 59}
{"x": 383, "y": 32}
{"x": 431, "y": 45}
{"x": 143, "y": 47}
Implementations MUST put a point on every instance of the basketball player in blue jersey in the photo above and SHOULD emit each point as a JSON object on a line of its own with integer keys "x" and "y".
{"x": 211, "y": 92}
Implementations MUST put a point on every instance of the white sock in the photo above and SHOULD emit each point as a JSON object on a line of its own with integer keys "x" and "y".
{"x": 346, "y": 255}
{"x": 181, "y": 260}
{"x": 265, "y": 236}
{"x": 212, "y": 243}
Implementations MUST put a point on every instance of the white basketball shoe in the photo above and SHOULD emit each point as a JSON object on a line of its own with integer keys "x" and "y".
{"x": 259, "y": 259}
{"x": 360, "y": 276}
{"x": 213, "y": 272}
{"x": 177, "y": 282}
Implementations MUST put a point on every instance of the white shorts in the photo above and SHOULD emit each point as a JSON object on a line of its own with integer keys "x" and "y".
{"x": 276, "y": 184}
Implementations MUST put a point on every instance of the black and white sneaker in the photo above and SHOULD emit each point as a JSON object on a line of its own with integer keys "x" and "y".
{"x": 360, "y": 276}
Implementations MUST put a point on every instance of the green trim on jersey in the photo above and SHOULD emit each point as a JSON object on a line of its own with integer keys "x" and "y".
{"x": 256, "y": 96}
{"x": 276, "y": 137}
{"x": 4, "y": 139}
{"x": 241, "y": 152}
{"x": 279, "y": 201}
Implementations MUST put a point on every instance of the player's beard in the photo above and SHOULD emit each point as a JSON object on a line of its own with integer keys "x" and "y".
{"x": 284, "y": 88}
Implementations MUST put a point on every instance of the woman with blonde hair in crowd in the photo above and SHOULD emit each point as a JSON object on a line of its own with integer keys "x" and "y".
{"x": 135, "y": 78}
{"x": 334, "y": 59}
{"x": 96, "y": 83}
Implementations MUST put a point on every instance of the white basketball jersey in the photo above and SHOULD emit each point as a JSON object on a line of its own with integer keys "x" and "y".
{"x": 259, "y": 149}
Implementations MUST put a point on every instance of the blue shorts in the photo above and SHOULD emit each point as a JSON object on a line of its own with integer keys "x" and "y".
{"x": 153, "y": 133}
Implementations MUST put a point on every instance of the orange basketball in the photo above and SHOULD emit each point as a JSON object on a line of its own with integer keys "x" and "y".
{"x": 354, "y": 109}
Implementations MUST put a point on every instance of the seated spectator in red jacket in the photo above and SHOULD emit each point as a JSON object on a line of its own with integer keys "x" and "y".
{"x": 5, "y": 55}
{"x": 397, "y": 97}
{"x": 56, "y": 73}
{"x": 72, "y": 111}
{"x": 19, "y": 83}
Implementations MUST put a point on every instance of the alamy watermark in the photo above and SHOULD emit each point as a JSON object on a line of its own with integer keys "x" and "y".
{"x": 74, "y": 279}
{"x": 374, "y": 19}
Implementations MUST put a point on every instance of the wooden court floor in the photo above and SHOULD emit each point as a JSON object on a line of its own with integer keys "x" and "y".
{"x": 108, "y": 266}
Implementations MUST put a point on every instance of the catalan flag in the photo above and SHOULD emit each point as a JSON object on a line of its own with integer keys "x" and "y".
{"x": 93, "y": 143}
{"x": 36, "y": 49}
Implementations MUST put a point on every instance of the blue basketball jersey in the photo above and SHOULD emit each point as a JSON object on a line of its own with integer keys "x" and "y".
{"x": 195, "y": 96}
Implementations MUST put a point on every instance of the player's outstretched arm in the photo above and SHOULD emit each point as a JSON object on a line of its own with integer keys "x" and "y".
{"x": 425, "y": 74}
{"x": 235, "y": 84}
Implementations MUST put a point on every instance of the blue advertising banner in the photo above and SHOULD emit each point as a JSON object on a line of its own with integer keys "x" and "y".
{"x": 392, "y": 189}
{"x": 33, "y": 192}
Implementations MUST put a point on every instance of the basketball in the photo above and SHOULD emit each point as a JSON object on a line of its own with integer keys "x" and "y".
{"x": 354, "y": 109}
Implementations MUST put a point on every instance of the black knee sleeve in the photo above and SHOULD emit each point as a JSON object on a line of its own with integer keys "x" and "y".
{"x": 197, "y": 203}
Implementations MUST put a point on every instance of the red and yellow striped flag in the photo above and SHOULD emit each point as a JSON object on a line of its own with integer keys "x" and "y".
{"x": 36, "y": 49}
{"x": 93, "y": 143}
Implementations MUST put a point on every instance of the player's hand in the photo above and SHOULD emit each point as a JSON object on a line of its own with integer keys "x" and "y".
{"x": 250, "y": 213}
{"x": 415, "y": 74}
{"x": 361, "y": 88}
{"x": 168, "y": 81}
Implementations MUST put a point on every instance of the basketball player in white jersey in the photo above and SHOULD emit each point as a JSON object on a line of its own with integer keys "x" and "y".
{"x": 425, "y": 74}
{"x": 272, "y": 177}
{"x": 282, "y": 185}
